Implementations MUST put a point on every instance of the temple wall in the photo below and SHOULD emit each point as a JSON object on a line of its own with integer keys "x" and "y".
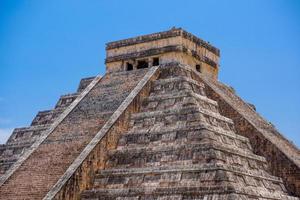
{"x": 170, "y": 46}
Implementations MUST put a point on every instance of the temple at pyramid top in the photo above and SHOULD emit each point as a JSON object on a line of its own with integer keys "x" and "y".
{"x": 174, "y": 45}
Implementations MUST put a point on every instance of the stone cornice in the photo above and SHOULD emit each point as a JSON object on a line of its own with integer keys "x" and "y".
{"x": 162, "y": 35}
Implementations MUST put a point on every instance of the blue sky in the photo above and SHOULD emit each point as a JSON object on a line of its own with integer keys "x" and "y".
{"x": 46, "y": 47}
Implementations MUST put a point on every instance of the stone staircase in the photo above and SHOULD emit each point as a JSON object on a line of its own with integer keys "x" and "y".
{"x": 32, "y": 176}
{"x": 179, "y": 147}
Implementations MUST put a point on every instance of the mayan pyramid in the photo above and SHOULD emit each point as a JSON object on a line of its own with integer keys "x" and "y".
{"x": 157, "y": 126}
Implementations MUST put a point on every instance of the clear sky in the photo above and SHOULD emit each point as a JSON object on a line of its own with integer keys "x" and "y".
{"x": 46, "y": 47}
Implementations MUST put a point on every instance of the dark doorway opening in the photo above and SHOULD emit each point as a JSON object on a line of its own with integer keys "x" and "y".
{"x": 198, "y": 68}
{"x": 129, "y": 67}
{"x": 155, "y": 61}
{"x": 142, "y": 64}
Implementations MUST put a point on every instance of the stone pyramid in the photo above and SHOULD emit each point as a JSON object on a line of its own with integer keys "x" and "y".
{"x": 22, "y": 138}
{"x": 157, "y": 126}
{"x": 178, "y": 146}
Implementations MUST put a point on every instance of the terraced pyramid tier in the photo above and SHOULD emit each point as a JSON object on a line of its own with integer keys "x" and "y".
{"x": 179, "y": 147}
{"x": 22, "y": 138}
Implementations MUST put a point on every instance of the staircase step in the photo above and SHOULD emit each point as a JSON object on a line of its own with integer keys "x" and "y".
{"x": 183, "y": 193}
{"x": 190, "y": 115}
{"x": 66, "y": 100}
{"x": 178, "y": 110}
{"x": 175, "y": 98}
{"x": 192, "y": 175}
{"x": 174, "y": 95}
{"x": 182, "y": 138}
{"x": 192, "y": 145}
{"x": 160, "y": 193}
{"x": 178, "y": 154}
{"x": 181, "y": 126}
{"x": 178, "y": 83}
{"x": 154, "y": 137}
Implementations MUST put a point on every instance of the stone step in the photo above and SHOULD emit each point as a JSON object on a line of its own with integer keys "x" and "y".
{"x": 193, "y": 175}
{"x": 190, "y": 114}
{"x": 182, "y": 98}
{"x": 180, "y": 110}
{"x": 172, "y": 193}
{"x": 66, "y": 100}
{"x": 177, "y": 84}
{"x": 181, "y": 125}
{"x": 170, "y": 134}
{"x": 184, "y": 93}
{"x": 84, "y": 83}
{"x": 196, "y": 153}
{"x": 175, "y": 79}
{"x": 177, "y": 139}
{"x": 224, "y": 192}
{"x": 12, "y": 146}
{"x": 9, "y": 161}
{"x": 46, "y": 117}
{"x": 195, "y": 144}
{"x": 26, "y": 134}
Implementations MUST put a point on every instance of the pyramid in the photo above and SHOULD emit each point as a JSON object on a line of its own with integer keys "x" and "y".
{"x": 157, "y": 126}
{"x": 22, "y": 138}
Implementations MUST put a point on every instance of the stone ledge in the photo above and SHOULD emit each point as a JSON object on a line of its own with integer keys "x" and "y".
{"x": 178, "y": 79}
{"x": 191, "y": 168}
{"x": 194, "y": 146}
{"x": 158, "y": 191}
{"x": 227, "y": 189}
{"x": 38, "y": 128}
{"x": 84, "y": 83}
{"x": 16, "y": 145}
{"x": 8, "y": 161}
{"x": 179, "y": 95}
{"x": 190, "y": 128}
{"x": 162, "y": 35}
{"x": 40, "y": 117}
{"x": 63, "y": 97}
{"x": 185, "y": 110}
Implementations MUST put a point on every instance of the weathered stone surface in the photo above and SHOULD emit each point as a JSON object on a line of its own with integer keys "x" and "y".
{"x": 22, "y": 138}
{"x": 84, "y": 83}
{"x": 49, "y": 161}
{"x": 177, "y": 148}
{"x": 169, "y": 132}
{"x": 175, "y": 45}
{"x": 162, "y": 35}
{"x": 283, "y": 156}
{"x": 79, "y": 175}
